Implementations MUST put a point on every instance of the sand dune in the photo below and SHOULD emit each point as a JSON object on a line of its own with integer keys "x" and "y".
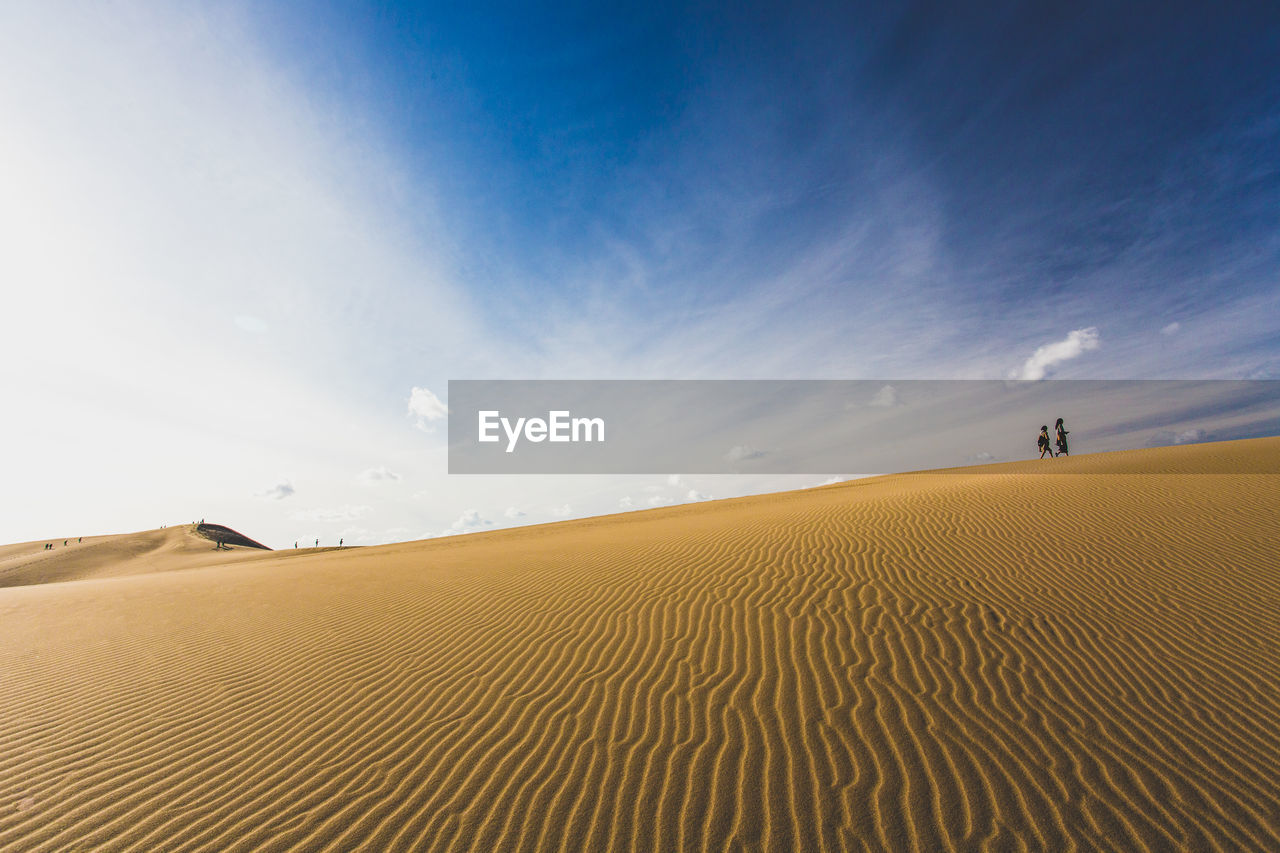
{"x": 184, "y": 546}
{"x": 991, "y": 659}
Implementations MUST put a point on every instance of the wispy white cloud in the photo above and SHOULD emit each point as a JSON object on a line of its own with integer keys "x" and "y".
{"x": 380, "y": 474}
{"x": 279, "y": 491}
{"x": 561, "y": 511}
{"x": 236, "y": 250}
{"x": 1075, "y": 344}
{"x": 1164, "y": 438}
{"x": 426, "y": 408}
{"x": 1171, "y": 329}
{"x": 513, "y": 512}
{"x": 469, "y": 522}
{"x": 742, "y": 452}
{"x": 885, "y": 398}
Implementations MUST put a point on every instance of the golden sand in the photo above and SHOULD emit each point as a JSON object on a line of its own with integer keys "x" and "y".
{"x": 995, "y": 658}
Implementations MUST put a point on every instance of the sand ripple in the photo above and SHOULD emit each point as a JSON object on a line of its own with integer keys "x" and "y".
{"x": 931, "y": 662}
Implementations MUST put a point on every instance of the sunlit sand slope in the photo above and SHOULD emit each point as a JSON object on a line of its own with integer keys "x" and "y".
{"x": 935, "y": 661}
{"x": 169, "y": 549}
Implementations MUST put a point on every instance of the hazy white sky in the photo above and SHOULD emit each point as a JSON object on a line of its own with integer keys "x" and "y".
{"x": 212, "y": 295}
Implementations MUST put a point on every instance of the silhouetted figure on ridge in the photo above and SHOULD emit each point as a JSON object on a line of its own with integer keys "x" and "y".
{"x": 1061, "y": 433}
{"x": 1043, "y": 442}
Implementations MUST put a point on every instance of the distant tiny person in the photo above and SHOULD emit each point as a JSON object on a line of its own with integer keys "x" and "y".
{"x": 317, "y": 543}
{"x": 1043, "y": 442}
{"x": 339, "y": 543}
{"x": 1061, "y": 432}
{"x": 295, "y": 546}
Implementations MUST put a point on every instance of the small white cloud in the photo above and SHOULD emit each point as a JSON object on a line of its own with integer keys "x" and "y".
{"x": 1166, "y": 437}
{"x": 742, "y": 452}
{"x": 1171, "y": 329}
{"x": 469, "y": 522}
{"x": 331, "y": 515}
{"x": 979, "y": 457}
{"x": 625, "y": 502}
{"x": 885, "y": 398}
{"x": 246, "y": 323}
{"x": 278, "y": 492}
{"x": 560, "y": 510}
{"x": 674, "y": 480}
{"x": 512, "y": 512}
{"x": 658, "y": 500}
{"x": 381, "y": 474}
{"x": 426, "y": 407}
{"x": 1072, "y": 346}
{"x": 695, "y": 495}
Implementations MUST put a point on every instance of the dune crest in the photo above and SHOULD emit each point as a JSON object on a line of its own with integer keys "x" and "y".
{"x": 166, "y": 549}
{"x": 924, "y": 661}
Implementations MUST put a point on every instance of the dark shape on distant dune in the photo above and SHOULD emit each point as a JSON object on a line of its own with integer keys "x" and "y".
{"x": 225, "y": 536}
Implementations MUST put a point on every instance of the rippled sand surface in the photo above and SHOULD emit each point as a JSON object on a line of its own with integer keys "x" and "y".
{"x": 997, "y": 658}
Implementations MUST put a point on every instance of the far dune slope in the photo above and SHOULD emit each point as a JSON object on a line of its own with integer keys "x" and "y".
{"x": 934, "y": 661}
{"x": 166, "y": 549}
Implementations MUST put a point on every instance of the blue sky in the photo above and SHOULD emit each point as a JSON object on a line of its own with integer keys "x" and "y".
{"x": 689, "y": 156}
{"x": 239, "y": 236}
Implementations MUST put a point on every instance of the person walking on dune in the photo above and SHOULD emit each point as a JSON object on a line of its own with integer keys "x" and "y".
{"x": 1043, "y": 442}
{"x": 1061, "y": 433}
